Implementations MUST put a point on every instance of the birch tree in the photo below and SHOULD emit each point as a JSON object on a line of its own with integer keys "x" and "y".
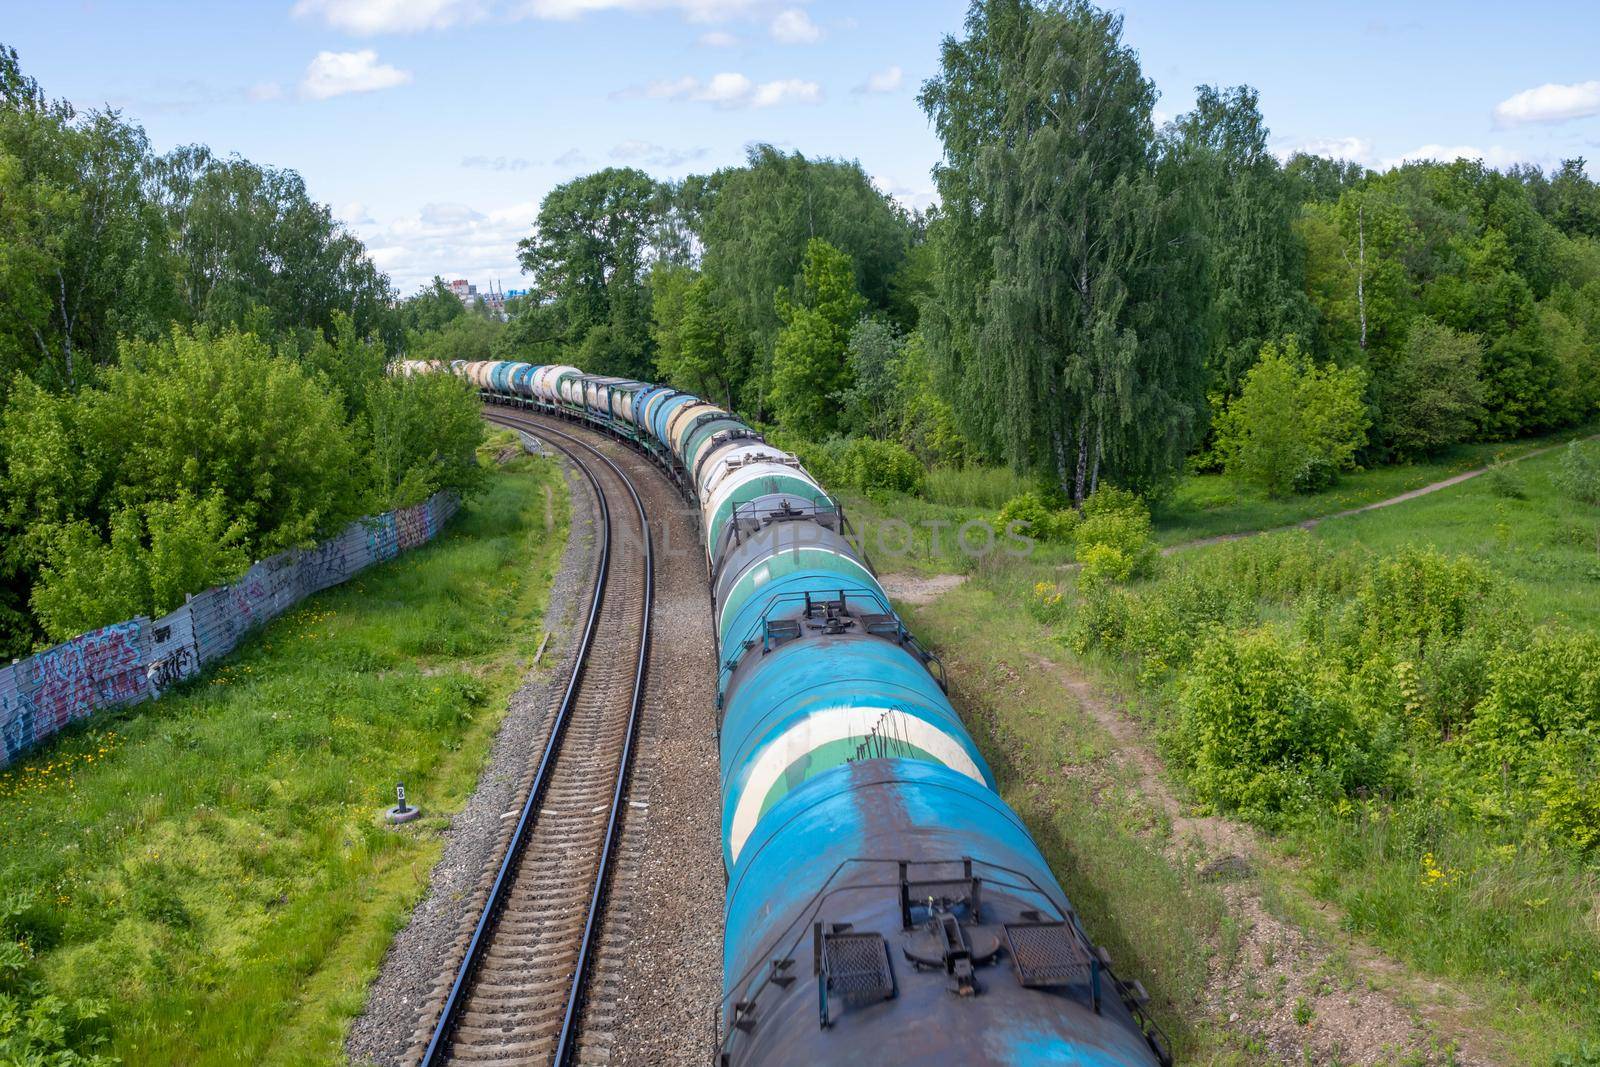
{"x": 1066, "y": 280}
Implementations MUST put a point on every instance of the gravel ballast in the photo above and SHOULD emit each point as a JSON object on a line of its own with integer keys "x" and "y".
{"x": 657, "y": 982}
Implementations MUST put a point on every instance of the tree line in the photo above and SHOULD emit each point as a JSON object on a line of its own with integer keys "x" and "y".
{"x": 1095, "y": 298}
{"x": 192, "y": 357}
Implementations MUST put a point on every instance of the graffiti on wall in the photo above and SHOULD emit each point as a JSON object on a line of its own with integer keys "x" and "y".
{"x": 130, "y": 661}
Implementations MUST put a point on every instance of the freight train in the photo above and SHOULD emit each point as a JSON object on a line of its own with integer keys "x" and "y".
{"x": 884, "y": 905}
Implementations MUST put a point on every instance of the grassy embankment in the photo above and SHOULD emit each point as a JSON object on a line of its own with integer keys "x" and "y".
{"x": 212, "y": 866}
{"x": 1434, "y": 867}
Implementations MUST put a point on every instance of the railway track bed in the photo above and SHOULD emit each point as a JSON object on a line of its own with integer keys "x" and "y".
{"x": 651, "y": 951}
{"x": 519, "y": 988}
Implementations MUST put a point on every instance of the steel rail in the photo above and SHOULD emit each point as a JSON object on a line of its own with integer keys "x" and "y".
{"x": 567, "y": 1042}
{"x": 435, "y": 1053}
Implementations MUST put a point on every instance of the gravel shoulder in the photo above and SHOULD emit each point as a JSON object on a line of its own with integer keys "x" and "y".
{"x": 404, "y": 995}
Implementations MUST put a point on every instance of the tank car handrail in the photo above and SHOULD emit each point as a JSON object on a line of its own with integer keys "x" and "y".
{"x": 748, "y": 642}
{"x": 807, "y": 913}
{"x": 1131, "y": 997}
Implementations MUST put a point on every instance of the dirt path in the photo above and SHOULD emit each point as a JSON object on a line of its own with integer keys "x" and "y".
{"x": 1306, "y": 999}
{"x": 1413, "y": 494}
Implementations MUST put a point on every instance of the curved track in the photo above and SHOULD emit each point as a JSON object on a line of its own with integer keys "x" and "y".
{"x": 519, "y": 992}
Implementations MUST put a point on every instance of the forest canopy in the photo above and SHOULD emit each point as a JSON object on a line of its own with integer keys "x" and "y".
{"x": 1088, "y": 299}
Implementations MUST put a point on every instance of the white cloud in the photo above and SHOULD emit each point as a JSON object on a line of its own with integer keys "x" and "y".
{"x": 1496, "y": 157}
{"x": 724, "y": 90}
{"x": 452, "y": 240}
{"x": 1358, "y": 149}
{"x": 337, "y": 73}
{"x": 655, "y": 155}
{"x": 264, "y": 91}
{"x": 572, "y": 158}
{"x": 355, "y": 213}
{"x": 718, "y": 39}
{"x": 787, "y": 91}
{"x": 882, "y": 81}
{"x": 368, "y": 17}
{"x": 728, "y": 90}
{"x": 918, "y": 197}
{"x": 1549, "y": 103}
{"x": 794, "y": 26}
{"x": 496, "y": 163}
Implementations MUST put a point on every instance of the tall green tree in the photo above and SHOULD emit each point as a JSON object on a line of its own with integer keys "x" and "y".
{"x": 1248, "y": 208}
{"x": 589, "y": 253}
{"x": 429, "y": 308}
{"x": 872, "y": 402}
{"x": 1295, "y": 423}
{"x": 81, "y": 242}
{"x": 1432, "y": 395}
{"x": 810, "y": 370}
{"x": 1066, "y": 276}
{"x": 696, "y": 347}
{"x": 755, "y": 223}
{"x": 252, "y": 250}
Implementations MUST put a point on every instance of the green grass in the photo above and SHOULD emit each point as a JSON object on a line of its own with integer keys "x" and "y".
{"x": 1210, "y": 505}
{"x": 1160, "y": 922}
{"x": 986, "y": 488}
{"x": 213, "y": 866}
{"x": 1516, "y": 520}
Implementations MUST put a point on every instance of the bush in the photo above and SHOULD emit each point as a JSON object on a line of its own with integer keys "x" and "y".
{"x": 1037, "y": 518}
{"x": 1048, "y": 603}
{"x": 425, "y": 432}
{"x": 1260, "y": 730}
{"x": 862, "y": 464}
{"x": 1113, "y": 539}
{"x": 1504, "y": 482}
{"x": 158, "y": 551}
{"x": 1295, "y": 424}
{"x": 872, "y": 464}
{"x": 1579, "y": 473}
{"x": 1417, "y": 600}
{"x": 1535, "y": 739}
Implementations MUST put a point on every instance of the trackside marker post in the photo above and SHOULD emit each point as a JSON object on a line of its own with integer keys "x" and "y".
{"x": 401, "y": 812}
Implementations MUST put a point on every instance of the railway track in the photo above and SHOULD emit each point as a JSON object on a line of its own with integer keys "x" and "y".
{"x": 518, "y": 995}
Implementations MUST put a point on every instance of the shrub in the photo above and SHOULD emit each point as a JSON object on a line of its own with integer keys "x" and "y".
{"x": 1113, "y": 538}
{"x": 1295, "y": 424}
{"x": 1505, "y": 482}
{"x": 1418, "y": 599}
{"x": 157, "y": 552}
{"x": 1579, "y": 473}
{"x": 425, "y": 432}
{"x": 1037, "y": 518}
{"x": 1259, "y": 728}
{"x": 1048, "y": 603}
{"x": 1535, "y": 739}
{"x": 861, "y": 463}
{"x": 873, "y": 464}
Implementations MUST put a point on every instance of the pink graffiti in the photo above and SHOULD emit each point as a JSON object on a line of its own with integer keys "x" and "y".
{"x": 414, "y": 525}
{"x": 93, "y": 670}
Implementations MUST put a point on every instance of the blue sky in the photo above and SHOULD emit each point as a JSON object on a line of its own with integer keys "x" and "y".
{"x": 434, "y": 127}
